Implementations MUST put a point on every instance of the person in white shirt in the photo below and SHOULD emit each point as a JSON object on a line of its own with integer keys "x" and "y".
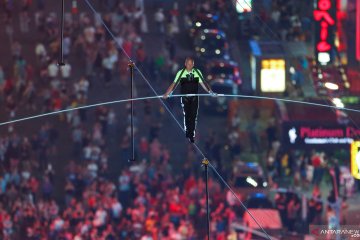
{"x": 89, "y": 34}
{"x": 66, "y": 71}
{"x": 84, "y": 85}
{"x": 40, "y": 52}
{"x": 116, "y": 209}
{"x": 53, "y": 69}
{"x": 81, "y": 88}
{"x": 160, "y": 20}
{"x": 100, "y": 217}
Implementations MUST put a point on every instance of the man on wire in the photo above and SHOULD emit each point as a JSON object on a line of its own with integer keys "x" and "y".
{"x": 189, "y": 79}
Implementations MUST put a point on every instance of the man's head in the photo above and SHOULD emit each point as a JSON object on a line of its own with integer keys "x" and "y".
{"x": 189, "y": 63}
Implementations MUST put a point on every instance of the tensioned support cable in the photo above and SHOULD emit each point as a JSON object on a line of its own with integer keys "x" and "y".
{"x": 131, "y": 67}
{"x": 205, "y": 163}
{"x": 61, "y": 57}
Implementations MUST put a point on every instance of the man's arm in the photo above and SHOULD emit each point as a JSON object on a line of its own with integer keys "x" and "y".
{"x": 172, "y": 86}
{"x": 203, "y": 82}
{"x": 205, "y": 87}
{"x": 169, "y": 90}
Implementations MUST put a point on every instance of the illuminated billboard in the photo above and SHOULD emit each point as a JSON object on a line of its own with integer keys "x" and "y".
{"x": 325, "y": 24}
{"x": 355, "y": 159}
{"x": 243, "y": 6}
{"x": 304, "y": 134}
{"x": 272, "y": 75}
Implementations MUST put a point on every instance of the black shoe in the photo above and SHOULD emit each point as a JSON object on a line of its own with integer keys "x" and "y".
{"x": 187, "y": 134}
{"x": 191, "y": 139}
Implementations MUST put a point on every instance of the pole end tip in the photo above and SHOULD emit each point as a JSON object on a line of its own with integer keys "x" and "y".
{"x": 205, "y": 162}
{"x": 60, "y": 64}
{"x": 131, "y": 160}
{"x": 131, "y": 64}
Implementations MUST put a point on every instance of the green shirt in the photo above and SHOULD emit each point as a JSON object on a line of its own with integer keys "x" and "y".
{"x": 183, "y": 75}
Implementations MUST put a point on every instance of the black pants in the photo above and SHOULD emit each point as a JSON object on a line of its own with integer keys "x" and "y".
{"x": 190, "y": 107}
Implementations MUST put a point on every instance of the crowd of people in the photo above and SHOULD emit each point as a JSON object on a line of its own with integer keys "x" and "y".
{"x": 291, "y": 19}
{"x": 146, "y": 202}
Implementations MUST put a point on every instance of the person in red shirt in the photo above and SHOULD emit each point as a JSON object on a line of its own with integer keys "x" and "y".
{"x": 317, "y": 162}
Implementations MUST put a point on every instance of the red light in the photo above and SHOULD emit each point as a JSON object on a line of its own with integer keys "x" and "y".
{"x": 324, "y": 31}
{"x": 358, "y": 30}
{"x": 324, "y": 5}
{"x": 323, "y": 46}
{"x": 236, "y": 72}
{"x": 74, "y": 7}
{"x": 321, "y": 15}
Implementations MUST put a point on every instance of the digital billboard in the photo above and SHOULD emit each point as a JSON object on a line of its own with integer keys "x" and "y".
{"x": 272, "y": 75}
{"x": 355, "y": 159}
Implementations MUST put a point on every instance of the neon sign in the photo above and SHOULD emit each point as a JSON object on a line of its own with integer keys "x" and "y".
{"x": 358, "y": 30}
{"x": 324, "y": 16}
{"x": 329, "y": 132}
{"x": 300, "y": 135}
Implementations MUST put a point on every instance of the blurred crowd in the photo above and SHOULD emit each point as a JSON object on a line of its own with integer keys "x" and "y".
{"x": 146, "y": 201}
{"x": 291, "y": 19}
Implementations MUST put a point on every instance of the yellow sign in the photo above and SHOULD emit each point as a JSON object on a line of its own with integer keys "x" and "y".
{"x": 273, "y": 75}
{"x": 355, "y": 159}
